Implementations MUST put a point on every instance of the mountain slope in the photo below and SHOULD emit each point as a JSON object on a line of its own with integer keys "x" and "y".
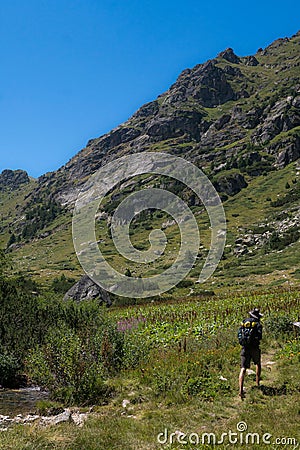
{"x": 218, "y": 110}
{"x": 238, "y": 119}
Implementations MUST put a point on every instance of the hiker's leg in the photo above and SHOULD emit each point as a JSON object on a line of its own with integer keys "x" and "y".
{"x": 258, "y": 372}
{"x": 257, "y": 360}
{"x": 241, "y": 381}
{"x": 245, "y": 364}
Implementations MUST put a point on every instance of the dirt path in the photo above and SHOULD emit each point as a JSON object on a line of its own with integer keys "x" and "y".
{"x": 269, "y": 367}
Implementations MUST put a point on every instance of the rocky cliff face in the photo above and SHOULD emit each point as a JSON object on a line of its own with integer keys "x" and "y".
{"x": 86, "y": 289}
{"x": 13, "y": 179}
{"x": 237, "y": 118}
{"x": 215, "y": 114}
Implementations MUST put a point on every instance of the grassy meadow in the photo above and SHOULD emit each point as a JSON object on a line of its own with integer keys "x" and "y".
{"x": 178, "y": 371}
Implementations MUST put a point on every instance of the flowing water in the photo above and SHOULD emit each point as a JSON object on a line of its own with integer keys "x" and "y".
{"x": 20, "y": 401}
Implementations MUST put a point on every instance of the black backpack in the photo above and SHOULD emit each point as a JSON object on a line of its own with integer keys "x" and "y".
{"x": 247, "y": 332}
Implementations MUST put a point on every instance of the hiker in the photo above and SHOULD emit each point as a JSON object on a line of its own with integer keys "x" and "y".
{"x": 250, "y": 334}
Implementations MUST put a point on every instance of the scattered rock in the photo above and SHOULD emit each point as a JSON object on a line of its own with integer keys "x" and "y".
{"x": 79, "y": 418}
{"x": 167, "y": 224}
{"x": 281, "y": 117}
{"x": 222, "y": 378}
{"x": 125, "y": 403}
{"x": 250, "y": 61}
{"x": 290, "y": 152}
{"x": 55, "y": 420}
{"x": 66, "y": 416}
{"x": 219, "y": 124}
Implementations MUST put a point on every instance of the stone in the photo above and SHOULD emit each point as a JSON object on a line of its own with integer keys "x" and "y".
{"x": 250, "y": 61}
{"x": 290, "y": 152}
{"x": 219, "y": 124}
{"x": 55, "y": 420}
{"x": 65, "y": 416}
{"x": 125, "y": 403}
{"x": 229, "y": 55}
{"x": 281, "y": 117}
{"x": 231, "y": 184}
{"x": 86, "y": 289}
{"x": 79, "y": 418}
{"x": 222, "y": 378}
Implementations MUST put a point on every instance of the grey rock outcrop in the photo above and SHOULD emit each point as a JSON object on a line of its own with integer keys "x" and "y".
{"x": 86, "y": 289}
{"x": 230, "y": 56}
{"x": 283, "y": 116}
{"x": 250, "y": 61}
{"x": 231, "y": 184}
{"x": 13, "y": 179}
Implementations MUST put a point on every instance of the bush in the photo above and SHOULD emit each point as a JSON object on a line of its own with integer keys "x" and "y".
{"x": 134, "y": 354}
{"x": 63, "y": 365}
{"x": 9, "y": 367}
{"x": 279, "y": 326}
{"x": 62, "y": 284}
{"x": 279, "y": 242}
{"x": 185, "y": 283}
{"x": 291, "y": 350}
{"x": 74, "y": 366}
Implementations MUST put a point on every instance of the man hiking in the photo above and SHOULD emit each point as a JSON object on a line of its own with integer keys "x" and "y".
{"x": 249, "y": 335}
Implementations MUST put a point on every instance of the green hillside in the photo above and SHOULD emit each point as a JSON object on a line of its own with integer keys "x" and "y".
{"x": 238, "y": 119}
{"x": 170, "y": 361}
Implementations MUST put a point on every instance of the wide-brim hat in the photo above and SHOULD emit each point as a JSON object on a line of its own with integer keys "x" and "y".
{"x": 255, "y": 313}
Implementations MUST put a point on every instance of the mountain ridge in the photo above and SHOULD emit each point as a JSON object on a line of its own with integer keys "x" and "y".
{"x": 186, "y": 112}
{"x": 237, "y": 118}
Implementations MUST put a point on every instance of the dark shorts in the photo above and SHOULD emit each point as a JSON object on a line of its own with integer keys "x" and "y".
{"x": 250, "y": 353}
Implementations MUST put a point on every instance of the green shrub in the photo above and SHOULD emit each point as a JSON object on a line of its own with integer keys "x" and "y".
{"x": 291, "y": 350}
{"x": 278, "y": 326}
{"x": 279, "y": 242}
{"x": 196, "y": 372}
{"x": 65, "y": 367}
{"x": 62, "y": 284}
{"x": 9, "y": 367}
{"x": 185, "y": 283}
{"x": 134, "y": 354}
{"x": 48, "y": 407}
{"x": 74, "y": 365}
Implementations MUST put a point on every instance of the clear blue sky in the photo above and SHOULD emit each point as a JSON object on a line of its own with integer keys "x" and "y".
{"x": 74, "y": 69}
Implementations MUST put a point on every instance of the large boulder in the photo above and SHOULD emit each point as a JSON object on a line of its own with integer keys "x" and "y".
{"x": 86, "y": 289}
{"x": 250, "y": 61}
{"x": 231, "y": 184}
{"x": 229, "y": 55}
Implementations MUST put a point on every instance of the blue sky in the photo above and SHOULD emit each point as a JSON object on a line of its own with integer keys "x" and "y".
{"x": 72, "y": 70}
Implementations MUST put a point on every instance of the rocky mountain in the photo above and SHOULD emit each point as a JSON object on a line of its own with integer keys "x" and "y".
{"x": 227, "y": 113}
{"x": 235, "y": 117}
{"x": 13, "y": 179}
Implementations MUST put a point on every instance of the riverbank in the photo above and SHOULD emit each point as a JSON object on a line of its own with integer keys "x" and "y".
{"x": 20, "y": 401}
{"x": 67, "y": 415}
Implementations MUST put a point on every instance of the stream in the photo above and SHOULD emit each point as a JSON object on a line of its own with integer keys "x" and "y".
{"x": 20, "y": 401}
